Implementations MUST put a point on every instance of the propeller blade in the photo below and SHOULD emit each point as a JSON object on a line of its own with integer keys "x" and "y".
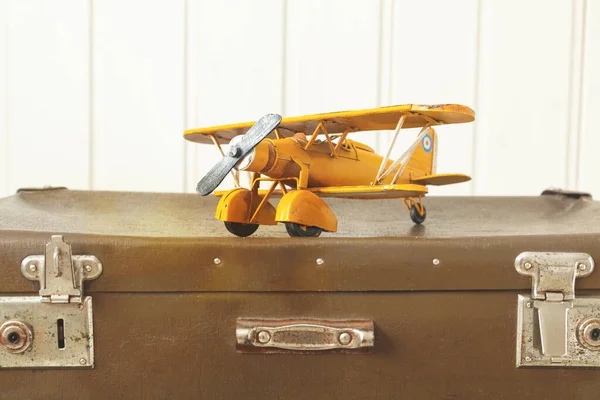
{"x": 250, "y": 140}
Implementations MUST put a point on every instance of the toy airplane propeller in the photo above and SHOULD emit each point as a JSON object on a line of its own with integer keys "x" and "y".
{"x": 260, "y": 130}
{"x": 288, "y": 153}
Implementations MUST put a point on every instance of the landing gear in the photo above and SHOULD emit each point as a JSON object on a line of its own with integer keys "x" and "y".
{"x": 297, "y": 230}
{"x": 415, "y": 216}
{"x": 416, "y": 209}
{"x": 240, "y": 229}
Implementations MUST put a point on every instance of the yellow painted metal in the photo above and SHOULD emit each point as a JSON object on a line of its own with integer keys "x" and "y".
{"x": 263, "y": 156}
{"x": 239, "y": 205}
{"x": 441, "y": 179}
{"x": 320, "y": 129}
{"x": 314, "y": 135}
{"x": 349, "y": 175}
{"x": 261, "y": 206}
{"x": 421, "y": 161}
{"x": 283, "y": 188}
{"x": 340, "y": 142}
{"x": 356, "y": 192}
{"x": 261, "y": 192}
{"x": 371, "y": 192}
{"x": 356, "y": 164}
{"x": 306, "y": 208}
{"x": 353, "y": 166}
{"x": 264, "y": 195}
{"x": 375, "y": 119}
{"x": 303, "y": 169}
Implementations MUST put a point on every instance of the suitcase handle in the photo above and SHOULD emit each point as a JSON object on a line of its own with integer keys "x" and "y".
{"x": 272, "y": 336}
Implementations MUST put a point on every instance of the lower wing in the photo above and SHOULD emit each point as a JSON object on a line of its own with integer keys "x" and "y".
{"x": 361, "y": 192}
{"x": 372, "y": 191}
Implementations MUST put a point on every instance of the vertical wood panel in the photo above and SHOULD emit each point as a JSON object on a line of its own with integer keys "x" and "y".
{"x": 138, "y": 102}
{"x": 575, "y": 92}
{"x": 234, "y": 69}
{"x": 3, "y": 98}
{"x": 386, "y": 51}
{"x": 48, "y": 94}
{"x": 332, "y": 57}
{"x": 434, "y": 62}
{"x": 522, "y": 142}
{"x": 589, "y": 159}
{"x": 161, "y": 67}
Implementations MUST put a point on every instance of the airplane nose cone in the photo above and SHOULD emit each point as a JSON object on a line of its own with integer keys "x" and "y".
{"x": 234, "y": 151}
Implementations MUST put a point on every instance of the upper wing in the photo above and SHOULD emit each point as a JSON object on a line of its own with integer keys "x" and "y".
{"x": 375, "y": 119}
{"x": 441, "y": 179}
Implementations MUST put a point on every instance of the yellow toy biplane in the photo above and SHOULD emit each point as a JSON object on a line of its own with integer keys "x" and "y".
{"x": 310, "y": 157}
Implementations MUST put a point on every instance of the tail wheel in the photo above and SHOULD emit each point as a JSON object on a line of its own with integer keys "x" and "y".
{"x": 297, "y": 230}
{"x": 240, "y": 229}
{"x": 415, "y": 216}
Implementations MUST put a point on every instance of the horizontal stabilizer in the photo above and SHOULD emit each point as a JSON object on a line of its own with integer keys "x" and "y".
{"x": 441, "y": 179}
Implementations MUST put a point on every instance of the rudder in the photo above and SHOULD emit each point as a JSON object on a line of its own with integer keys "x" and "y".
{"x": 423, "y": 160}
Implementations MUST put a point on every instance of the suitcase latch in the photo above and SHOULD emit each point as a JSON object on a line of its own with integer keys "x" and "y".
{"x": 550, "y": 321}
{"x": 60, "y": 273}
{"x": 55, "y": 328}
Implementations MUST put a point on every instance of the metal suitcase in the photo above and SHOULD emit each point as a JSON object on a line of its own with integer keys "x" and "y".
{"x": 145, "y": 295}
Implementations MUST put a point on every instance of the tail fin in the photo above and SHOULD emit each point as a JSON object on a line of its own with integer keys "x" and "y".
{"x": 423, "y": 160}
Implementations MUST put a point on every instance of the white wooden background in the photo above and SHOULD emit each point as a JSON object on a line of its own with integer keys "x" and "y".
{"x": 95, "y": 94}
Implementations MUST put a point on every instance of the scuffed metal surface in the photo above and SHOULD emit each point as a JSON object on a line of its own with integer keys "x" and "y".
{"x": 529, "y": 352}
{"x": 44, "y": 351}
{"x": 304, "y": 336}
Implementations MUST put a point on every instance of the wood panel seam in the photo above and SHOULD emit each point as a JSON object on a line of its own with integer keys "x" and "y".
{"x": 91, "y": 98}
{"x": 476, "y": 102}
{"x": 576, "y": 71}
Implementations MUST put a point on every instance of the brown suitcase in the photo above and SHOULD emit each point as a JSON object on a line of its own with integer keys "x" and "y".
{"x": 381, "y": 309}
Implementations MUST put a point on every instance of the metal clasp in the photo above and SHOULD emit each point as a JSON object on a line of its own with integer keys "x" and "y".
{"x": 553, "y": 292}
{"x": 54, "y": 329}
{"x": 60, "y": 273}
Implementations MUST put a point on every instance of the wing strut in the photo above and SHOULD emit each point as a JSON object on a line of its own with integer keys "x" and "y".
{"x": 378, "y": 178}
{"x": 321, "y": 127}
{"x": 403, "y": 160}
{"x": 332, "y": 147}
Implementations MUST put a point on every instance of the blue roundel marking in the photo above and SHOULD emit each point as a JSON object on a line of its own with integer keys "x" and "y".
{"x": 426, "y": 143}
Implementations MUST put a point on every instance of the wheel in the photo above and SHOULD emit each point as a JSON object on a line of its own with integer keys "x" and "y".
{"x": 240, "y": 229}
{"x": 415, "y": 216}
{"x": 297, "y": 230}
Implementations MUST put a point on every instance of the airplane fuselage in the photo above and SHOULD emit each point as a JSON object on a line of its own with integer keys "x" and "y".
{"x": 354, "y": 163}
